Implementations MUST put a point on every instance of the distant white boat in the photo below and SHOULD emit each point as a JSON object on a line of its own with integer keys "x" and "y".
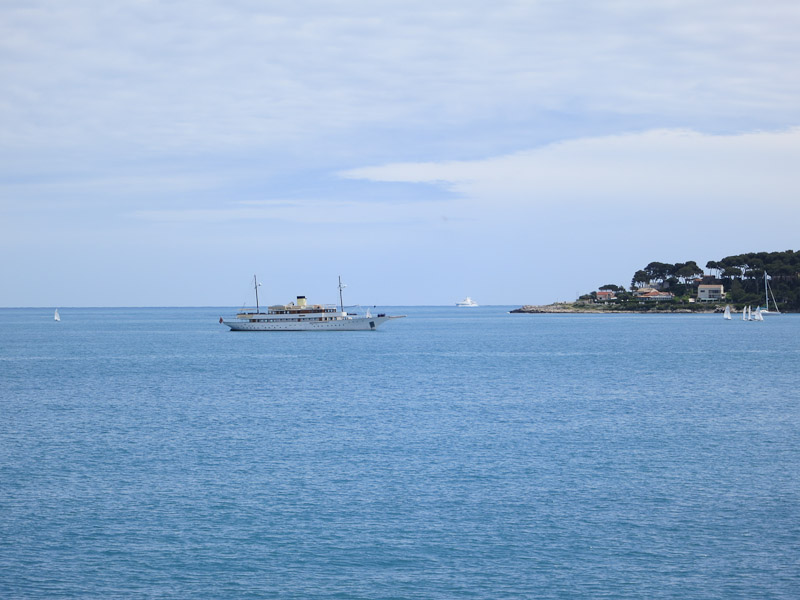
{"x": 56, "y": 317}
{"x": 727, "y": 314}
{"x": 744, "y": 314}
{"x": 467, "y": 302}
{"x": 757, "y": 316}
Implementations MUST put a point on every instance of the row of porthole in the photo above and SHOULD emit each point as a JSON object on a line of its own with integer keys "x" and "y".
{"x": 317, "y": 325}
{"x": 298, "y": 320}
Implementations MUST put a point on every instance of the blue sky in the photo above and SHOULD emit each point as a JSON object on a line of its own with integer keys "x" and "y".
{"x": 160, "y": 153}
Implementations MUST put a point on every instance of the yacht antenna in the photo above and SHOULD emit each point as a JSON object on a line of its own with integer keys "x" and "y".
{"x": 341, "y": 287}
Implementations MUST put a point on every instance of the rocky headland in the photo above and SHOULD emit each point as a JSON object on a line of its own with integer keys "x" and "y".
{"x": 569, "y": 308}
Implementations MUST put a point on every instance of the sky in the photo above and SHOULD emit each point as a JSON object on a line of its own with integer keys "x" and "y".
{"x": 161, "y": 153}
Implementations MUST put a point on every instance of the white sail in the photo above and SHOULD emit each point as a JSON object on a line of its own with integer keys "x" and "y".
{"x": 758, "y": 316}
{"x": 744, "y": 313}
{"x": 749, "y": 314}
{"x": 56, "y": 317}
{"x": 727, "y": 314}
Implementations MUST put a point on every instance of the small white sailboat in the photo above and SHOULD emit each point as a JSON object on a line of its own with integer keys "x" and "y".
{"x": 749, "y": 313}
{"x": 744, "y": 314}
{"x": 758, "y": 315}
{"x": 56, "y": 317}
{"x": 727, "y": 315}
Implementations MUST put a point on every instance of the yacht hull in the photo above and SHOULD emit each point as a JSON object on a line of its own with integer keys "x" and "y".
{"x": 351, "y": 324}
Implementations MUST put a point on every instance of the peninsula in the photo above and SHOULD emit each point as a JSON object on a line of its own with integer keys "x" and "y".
{"x": 738, "y": 280}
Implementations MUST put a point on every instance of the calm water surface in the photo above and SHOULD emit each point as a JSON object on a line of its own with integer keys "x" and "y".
{"x": 459, "y": 453}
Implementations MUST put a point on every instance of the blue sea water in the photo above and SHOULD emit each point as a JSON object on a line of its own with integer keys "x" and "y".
{"x": 458, "y": 453}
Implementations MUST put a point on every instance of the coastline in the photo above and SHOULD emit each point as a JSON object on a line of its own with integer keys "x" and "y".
{"x": 567, "y": 308}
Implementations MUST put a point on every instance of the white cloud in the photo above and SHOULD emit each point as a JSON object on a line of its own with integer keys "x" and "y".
{"x": 682, "y": 168}
{"x": 181, "y": 76}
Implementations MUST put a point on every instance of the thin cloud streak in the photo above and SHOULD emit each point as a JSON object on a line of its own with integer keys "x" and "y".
{"x": 679, "y": 167}
{"x": 300, "y": 212}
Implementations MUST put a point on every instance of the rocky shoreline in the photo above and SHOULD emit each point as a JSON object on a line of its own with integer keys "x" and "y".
{"x": 566, "y": 308}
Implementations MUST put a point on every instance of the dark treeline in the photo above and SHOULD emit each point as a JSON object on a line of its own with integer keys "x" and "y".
{"x": 742, "y": 275}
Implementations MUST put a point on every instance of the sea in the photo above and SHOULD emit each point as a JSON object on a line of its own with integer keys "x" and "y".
{"x": 456, "y": 453}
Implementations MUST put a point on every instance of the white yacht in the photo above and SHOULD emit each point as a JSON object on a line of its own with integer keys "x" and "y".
{"x": 467, "y": 302}
{"x": 301, "y": 316}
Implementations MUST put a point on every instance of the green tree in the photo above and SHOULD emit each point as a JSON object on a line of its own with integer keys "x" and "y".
{"x": 688, "y": 270}
{"x": 737, "y": 292}
{"x": 640, "y": 278}
{"x": 732, "y": 272}
{"x": 658, "y": 271}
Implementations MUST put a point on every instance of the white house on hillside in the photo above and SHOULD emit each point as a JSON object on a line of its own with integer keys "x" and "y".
{"x": 605, "y": 296}
{"x": 710, "y": 292}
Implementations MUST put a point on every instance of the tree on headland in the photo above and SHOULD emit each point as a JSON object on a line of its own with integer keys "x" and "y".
{"x": 658, "y": 271}
{"x": 736, "y": 291}
{"x": 640, "y": 278}
{"x": 731, "y": 272}
{"x": 686, "y": 271}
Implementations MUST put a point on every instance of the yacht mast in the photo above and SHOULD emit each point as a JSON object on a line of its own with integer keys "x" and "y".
{"x": 255, "y": 287}
{"x": 767, "y": 288}
{"x": 766, "y": 294}
{"x": 341, "y": 287}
